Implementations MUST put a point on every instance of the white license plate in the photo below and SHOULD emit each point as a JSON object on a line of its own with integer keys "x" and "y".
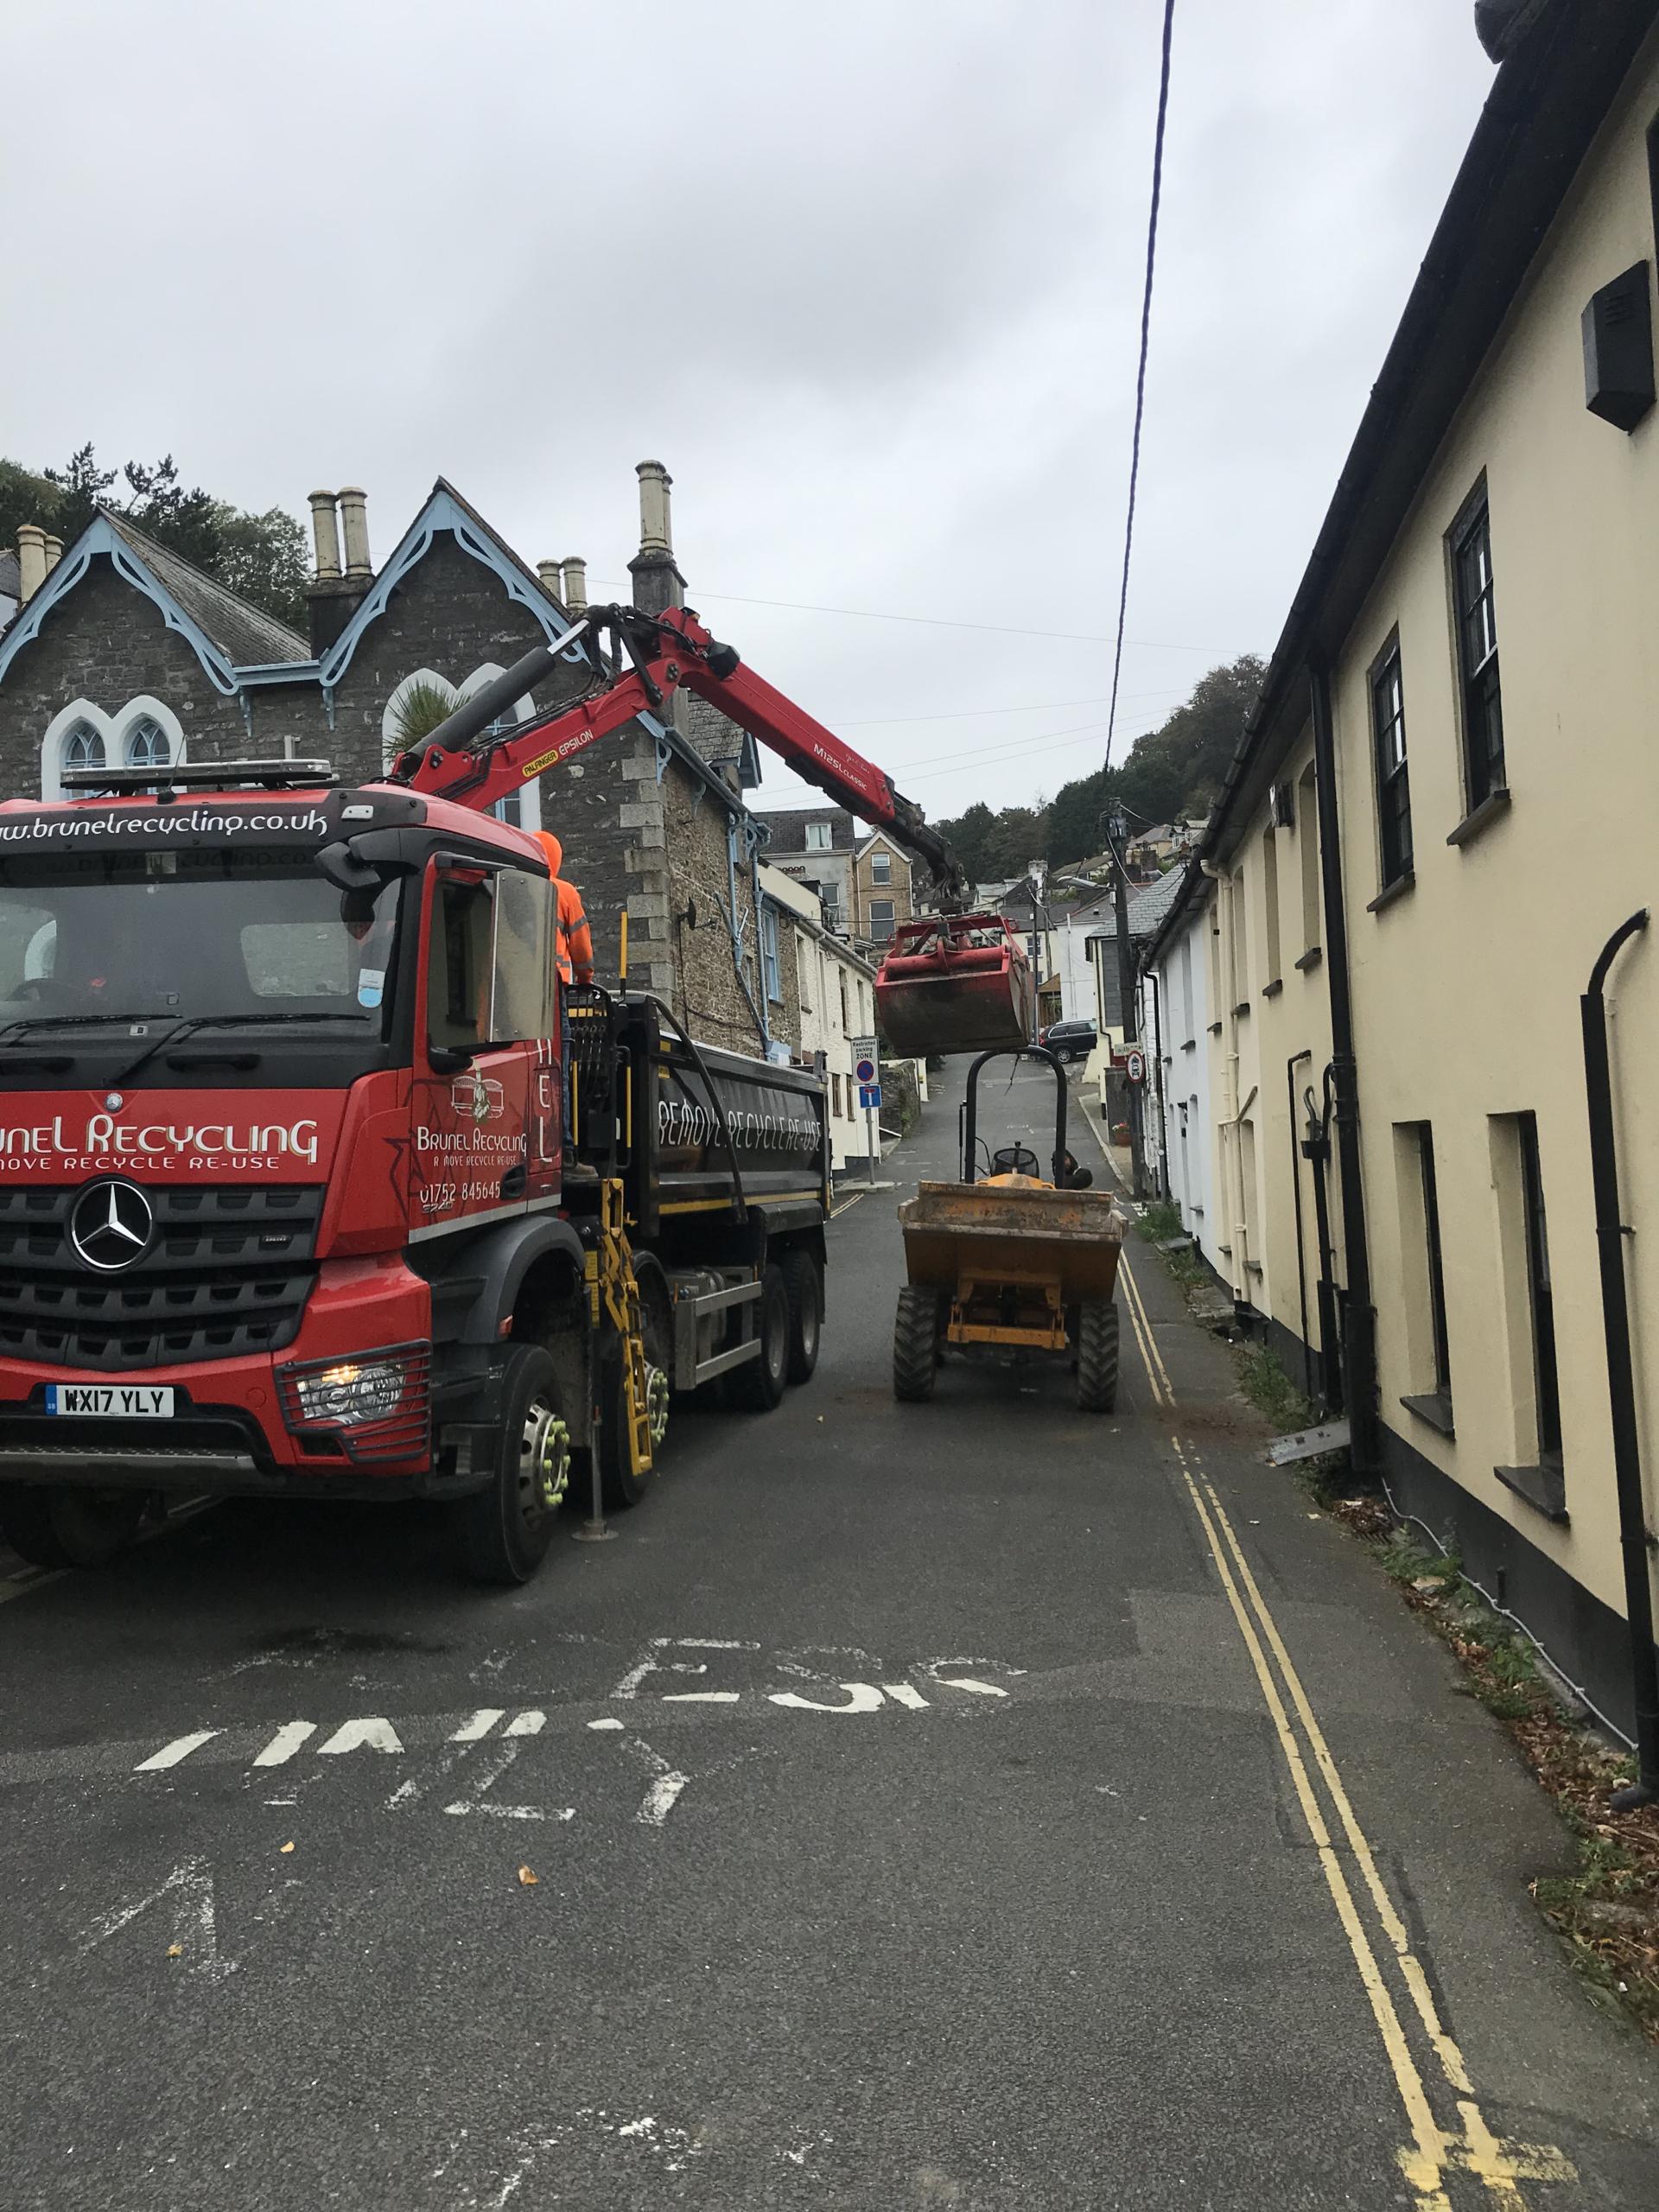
{"x": 121, "y": 1400}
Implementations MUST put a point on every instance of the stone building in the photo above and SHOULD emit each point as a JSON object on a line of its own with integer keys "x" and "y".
{"x": 815, "y": 847}
{"x": 121, "y": 652}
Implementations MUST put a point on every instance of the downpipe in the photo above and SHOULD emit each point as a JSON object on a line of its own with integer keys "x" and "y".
{"x": 1358, "y": 1313}
{"x": 1635, "y": 1541}
{"x": 1306, "y": 1053}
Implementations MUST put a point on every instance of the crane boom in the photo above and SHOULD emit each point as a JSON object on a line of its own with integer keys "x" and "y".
{"x": 652, "y": 657}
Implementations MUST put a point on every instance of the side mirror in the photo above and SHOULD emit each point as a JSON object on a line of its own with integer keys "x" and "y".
{"x": 449, "y": 1059}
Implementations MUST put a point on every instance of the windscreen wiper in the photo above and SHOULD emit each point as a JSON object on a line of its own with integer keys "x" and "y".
{"x": 191, "y": 1023}
{"x": 26, "y": 1024}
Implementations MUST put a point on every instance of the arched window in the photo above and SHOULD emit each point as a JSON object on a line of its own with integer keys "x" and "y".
{"x": 146, "y": 744}
{"x": 82, "y": 746}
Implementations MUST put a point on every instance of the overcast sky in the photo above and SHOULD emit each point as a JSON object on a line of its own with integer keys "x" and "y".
{"x": 866, "y": 279}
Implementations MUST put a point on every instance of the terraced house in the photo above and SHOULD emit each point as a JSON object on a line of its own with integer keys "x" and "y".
{"x": 1379, "y": 1117}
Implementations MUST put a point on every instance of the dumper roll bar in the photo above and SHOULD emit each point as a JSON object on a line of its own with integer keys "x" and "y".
{"x": 970, "y": 1111}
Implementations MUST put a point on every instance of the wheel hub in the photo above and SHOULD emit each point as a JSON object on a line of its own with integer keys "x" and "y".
{"x": 543, "y": 1458}
{"x": 657, "y": 1404}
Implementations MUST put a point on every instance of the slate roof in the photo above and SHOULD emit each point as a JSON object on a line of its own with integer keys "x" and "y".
{"x": 716, "y": 737}
{"x": 247, "y": 635}
{"x": 1148, "y": 907}
{"x": 788, "y": 826}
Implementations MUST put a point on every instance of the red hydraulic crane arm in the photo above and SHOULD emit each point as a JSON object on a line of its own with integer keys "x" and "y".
{"x": 463, "y": 759}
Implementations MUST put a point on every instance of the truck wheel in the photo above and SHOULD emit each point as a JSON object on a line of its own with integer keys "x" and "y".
{"x": 803, "y": 1281}
{"x": 70, "y": 1527}
{"x": 619, "y": 1486}
{"x": 757, "y": 1385}
{"x": 505, "y": 1527}
{"x": 1097, "y": 1356}
{"x": 915, "y": 1344}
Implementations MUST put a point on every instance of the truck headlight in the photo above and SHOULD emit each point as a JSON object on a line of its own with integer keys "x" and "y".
{"x": 353, "y": 1391}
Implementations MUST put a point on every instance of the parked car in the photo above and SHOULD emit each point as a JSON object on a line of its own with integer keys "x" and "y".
{"x": 1070, "y": 1040}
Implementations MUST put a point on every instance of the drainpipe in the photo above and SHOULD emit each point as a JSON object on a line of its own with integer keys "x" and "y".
{"x": 1633, "y": 1537}
{"x": 1161, "y": 1181}
{"x": 1306, "y": 1053}
{"x": 1316, "y": 1150}
{"x": 1359, "y": 1315}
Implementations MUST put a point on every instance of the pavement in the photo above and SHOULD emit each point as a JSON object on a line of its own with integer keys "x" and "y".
{"x": 975, "y": 1805}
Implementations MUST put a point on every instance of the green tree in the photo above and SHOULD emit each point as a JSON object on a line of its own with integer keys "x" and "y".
{"x": 261, "y": 556}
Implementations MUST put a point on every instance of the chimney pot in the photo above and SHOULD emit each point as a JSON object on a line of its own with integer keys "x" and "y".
{"x": 550, "y": 576}
{"x": 575, "y": 583}
{"x": 53, "y": 553}
{"x": 354, "y": 523}
{"x": 325, "y": 534}
{"x": 655, "y": 531}
{"x": 31, "y": 559}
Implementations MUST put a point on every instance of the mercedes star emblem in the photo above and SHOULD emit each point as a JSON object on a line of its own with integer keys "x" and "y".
{"x": 111, "y": 1226}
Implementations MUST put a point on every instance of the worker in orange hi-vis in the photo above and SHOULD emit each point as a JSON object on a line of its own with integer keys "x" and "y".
{"x": 575, "y": 941}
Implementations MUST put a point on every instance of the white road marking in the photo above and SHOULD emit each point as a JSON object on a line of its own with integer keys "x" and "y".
{"x": 605, "y": 1724}
{"x": 529, "y": 1724}
{"x": 701, "y": 1697}
{"x": 863, "y": 1697}
{"x": 488, "y": 1775}
{"x": 967, "y": 1682}
{"x": 652, "y": 1664}
{"x": 473, "y": 1731}
{"x": 905, "y": 1693}
{"x": 195, "y": 1916}
{"x": 661, "y": 1799}
{"x": 287, "y": 1740}
{"x": 374, "y": 1735}
{"x": 179, "y": 1749}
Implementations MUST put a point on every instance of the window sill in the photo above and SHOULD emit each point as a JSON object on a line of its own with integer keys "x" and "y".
{"x": 1241, "y": 1009}
{"x": 1191, "y": 1045}
{"x": 1215, "y": 1029}
{"x": 1311, "y": 958}
{"x": 1271, "y": 990}
{"x": 1253, "y": 1267}
{"x": 1390, "y": 892}
{"x": 1475, "y": 821}
{"x": 1436, "y": 1409}
{"x": 1543, "y": 1488}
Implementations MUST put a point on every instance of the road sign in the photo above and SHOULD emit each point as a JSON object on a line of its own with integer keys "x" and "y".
{"x": 864, "y": 1048}
{"x": 1135, "y": 1067}
{"x": 869, "y": 1094}
{"x": 865, "y": 1071}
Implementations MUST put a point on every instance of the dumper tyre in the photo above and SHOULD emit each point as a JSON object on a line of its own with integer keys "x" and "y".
{"x": 504, "y": 1529}
{"x": 803, "y": 1281}
{"x": 1097, "y": 1356}
{"x": 756, "y": 1386}
{"x": 915, "y": 1345}
{"x": 70, "y": 1527}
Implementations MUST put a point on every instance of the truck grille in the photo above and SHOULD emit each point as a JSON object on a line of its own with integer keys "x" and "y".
{"x": 227, "y": 1274}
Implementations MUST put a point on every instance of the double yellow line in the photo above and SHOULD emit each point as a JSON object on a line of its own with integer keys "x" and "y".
{"x": 1433, "y": 2152}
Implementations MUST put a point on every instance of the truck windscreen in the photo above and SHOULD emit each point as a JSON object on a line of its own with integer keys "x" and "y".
{"x": 191, "y": 934}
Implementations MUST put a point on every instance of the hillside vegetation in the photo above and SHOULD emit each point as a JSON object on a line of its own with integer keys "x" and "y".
{"x": 1171, "y": 772}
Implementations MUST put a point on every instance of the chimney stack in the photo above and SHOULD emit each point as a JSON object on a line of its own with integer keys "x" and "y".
{"x": 657, "y": 583}
{"x": 325, "y": 535}
{"x": 575, "y": 583}
{"x": 31, "y": 559}
{"x": 354, "y": 523}
{"x": 334, "y": 595}
{"x": 552, "y": 579}
{"x": 53, "y": 553}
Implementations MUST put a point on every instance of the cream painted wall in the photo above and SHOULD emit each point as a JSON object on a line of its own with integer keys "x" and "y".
{"x": 1466, "y": 985}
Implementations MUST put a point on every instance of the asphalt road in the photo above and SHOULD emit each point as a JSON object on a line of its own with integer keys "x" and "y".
{"x": 974, "y": 1805}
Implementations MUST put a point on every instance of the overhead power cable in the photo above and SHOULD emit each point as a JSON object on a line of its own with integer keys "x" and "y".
{"x": 1141, "y": 371}
{"x": 931, "y": 621}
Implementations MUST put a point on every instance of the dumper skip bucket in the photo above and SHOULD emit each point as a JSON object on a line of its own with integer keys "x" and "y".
{"x": 955, "y": 984}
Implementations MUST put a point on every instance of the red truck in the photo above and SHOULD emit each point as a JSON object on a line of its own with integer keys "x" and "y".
{"x": 311, "y": 1186}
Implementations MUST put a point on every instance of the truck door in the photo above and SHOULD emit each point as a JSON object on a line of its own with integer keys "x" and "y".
{"x": 481, "y": 1144}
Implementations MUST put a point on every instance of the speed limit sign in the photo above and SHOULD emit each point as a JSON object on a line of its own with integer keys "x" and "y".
{"x": 1135, "y": 1067}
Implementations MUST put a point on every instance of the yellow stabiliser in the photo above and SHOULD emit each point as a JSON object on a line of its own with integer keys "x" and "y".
{"x": 620, "y": 1288}
{"x": 1434, "y": 2150}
